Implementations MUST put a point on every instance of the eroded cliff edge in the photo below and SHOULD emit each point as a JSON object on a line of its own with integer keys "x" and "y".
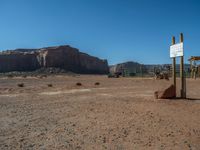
{"x": 64, "y": 57}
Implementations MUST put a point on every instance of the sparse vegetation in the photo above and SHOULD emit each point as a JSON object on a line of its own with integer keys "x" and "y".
{"x": 128, "y": 102}
{"x": 50, "y": 85}
{"x": 79, "y": 84}
{"x": 20, "y": 84}
{"x": 96, "y": 83}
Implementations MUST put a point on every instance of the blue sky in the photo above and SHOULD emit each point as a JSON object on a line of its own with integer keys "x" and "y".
{"x": 118, "y": 30}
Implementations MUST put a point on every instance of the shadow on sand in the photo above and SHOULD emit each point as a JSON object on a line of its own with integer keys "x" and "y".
{"x": 188, "y": 99}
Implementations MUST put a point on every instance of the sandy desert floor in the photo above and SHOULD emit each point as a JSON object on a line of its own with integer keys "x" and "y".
{"x": 118, "y": 114}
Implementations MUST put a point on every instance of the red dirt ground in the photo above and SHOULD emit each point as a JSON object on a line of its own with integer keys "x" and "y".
{"x": 118, "y": 114}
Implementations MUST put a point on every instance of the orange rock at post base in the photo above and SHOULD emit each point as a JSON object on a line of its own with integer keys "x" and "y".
{"x": 168, "y": 93}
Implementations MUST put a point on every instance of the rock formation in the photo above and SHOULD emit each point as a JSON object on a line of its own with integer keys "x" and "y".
{"x": 167, "y": 93}
{"x": 18, "y": 62}
{"x": 64, "y": 57}
{"x": 130, "y": 67}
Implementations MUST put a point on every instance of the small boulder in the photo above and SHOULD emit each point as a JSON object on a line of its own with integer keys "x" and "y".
{"x": 168, "y": 93}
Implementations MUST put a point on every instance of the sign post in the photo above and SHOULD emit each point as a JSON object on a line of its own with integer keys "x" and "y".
{"x": 176, "y": 50}
{"x": 174, "y": 66}
{"x": 182, "y": 74}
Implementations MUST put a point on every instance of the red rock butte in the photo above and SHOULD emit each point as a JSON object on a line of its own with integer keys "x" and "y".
{"x": 64, "y": 57}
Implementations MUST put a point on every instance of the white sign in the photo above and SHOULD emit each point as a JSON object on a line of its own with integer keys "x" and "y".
{"x": 176, "y": 50}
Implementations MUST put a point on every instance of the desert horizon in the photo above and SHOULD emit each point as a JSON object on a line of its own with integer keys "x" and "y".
{"x": 99, "y": 75}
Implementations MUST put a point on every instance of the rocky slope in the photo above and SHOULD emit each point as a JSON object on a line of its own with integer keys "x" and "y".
{"x": 64, "y": 57}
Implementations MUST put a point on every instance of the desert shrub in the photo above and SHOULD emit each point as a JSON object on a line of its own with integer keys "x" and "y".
{"x": 49, "y": 85}
{"x": 20, "y": 84}
{"x": 79, "y": 84}
{"x": 97, "y": 83}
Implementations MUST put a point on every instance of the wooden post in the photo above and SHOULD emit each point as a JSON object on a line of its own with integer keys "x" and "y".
{"x": 191, "y": 67}
{"x": 182, "y": 75}
{"x": 174, "y": 66}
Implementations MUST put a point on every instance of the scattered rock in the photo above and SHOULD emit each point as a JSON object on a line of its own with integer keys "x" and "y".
{"x": 168, "y": 93}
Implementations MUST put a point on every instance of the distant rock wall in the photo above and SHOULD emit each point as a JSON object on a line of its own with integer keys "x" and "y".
{"x": 18, "y": 62}
{"x": 64, "y": 57}
{"x": 131, "y": 67}
{"x": 93, "y": 64}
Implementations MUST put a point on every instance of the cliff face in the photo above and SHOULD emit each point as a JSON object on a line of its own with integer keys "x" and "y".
{"x": 93, "y": 64}
{"x": 64, "y": 57}
{"x": 18, "y": 62}
{"x": 132, "y": 67}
